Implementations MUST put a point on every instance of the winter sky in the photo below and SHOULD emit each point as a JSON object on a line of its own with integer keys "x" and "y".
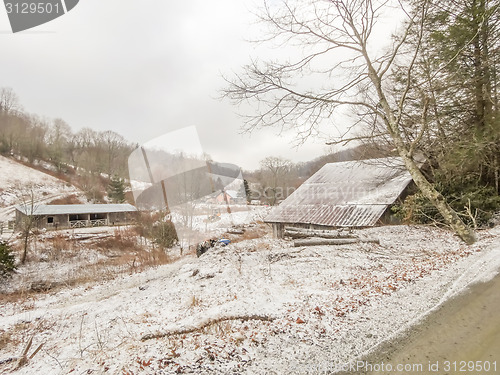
{"x": 143, "y": 68}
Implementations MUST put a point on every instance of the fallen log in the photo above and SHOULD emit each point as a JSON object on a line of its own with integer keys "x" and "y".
{"x": 236, "y": 231}
{"x": 89, "y": 237}
{"x": 332, "y": 234}
{"x": 203, "y": 324}
{"x": 297, "y": 229}
{"x": 333, "y": 241}
{"x": 338, "y": 232}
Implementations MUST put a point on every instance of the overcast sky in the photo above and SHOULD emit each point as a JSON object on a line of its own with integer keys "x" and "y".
{"x": 143, "y": 68}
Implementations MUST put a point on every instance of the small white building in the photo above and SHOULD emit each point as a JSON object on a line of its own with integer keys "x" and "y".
{"x": 77, "y": 215}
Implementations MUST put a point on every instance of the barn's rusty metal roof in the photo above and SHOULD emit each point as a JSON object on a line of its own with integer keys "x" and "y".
{"x": 74, "y": 209}
{"x": 345, "y": 194}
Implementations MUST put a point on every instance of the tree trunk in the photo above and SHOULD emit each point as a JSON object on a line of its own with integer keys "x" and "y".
{"x": 478, "y": 85}
{"x": 25, "y": 249}
{"x": 449, "y": 215}
{"x": 497, "y": 177}
{"x": 333, "y": 241}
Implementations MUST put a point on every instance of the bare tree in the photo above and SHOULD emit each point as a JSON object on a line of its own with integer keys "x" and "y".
{"x": 33, "y": 143}
{"x": 11, "y": 122}
{"x": 335, "y": 39}
{"x": 27, "y": 221}
{"x": 85, "y": 150}
{"x": 112, "y": 144}
{"x": 58, "y": 137}
{"x": 9, "y": 101}
{"x": 275, "y": 170}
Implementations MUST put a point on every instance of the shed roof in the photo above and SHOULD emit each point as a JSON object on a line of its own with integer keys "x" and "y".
{"x": 232, "y": 193}
{"x": 74, "y": 209}
{"x": 345, "y": 194}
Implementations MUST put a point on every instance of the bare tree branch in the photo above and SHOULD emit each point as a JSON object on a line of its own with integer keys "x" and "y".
{"x": 285, "y": 98}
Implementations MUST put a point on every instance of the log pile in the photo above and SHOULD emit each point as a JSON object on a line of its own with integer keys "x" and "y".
{"x": 306, "y": 233}
{"x": 333, "y": 241}
{"x": 311, "y": 237}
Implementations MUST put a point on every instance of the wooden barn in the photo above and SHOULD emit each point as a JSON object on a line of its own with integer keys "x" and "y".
{"x": 77, "y": 215}
{"x": 343, "y": 195}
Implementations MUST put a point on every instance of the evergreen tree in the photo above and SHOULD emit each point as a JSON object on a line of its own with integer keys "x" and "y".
{"x": 7, "y": 260}
{"x": 248, "y": 192}
{"x": 454, "y": 96}
{"x": 457, "y": 89}
{"x": 116, "y": 190}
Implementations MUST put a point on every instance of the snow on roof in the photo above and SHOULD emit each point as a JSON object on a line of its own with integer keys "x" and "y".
{"x": 74, "y": 209}
{"x": 232, "y": 193}
{"x": 345, "y": 194}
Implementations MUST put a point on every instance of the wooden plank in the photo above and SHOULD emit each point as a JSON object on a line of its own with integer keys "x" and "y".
{"x": 333, "y": 241}
{"x": 314, "y": 234}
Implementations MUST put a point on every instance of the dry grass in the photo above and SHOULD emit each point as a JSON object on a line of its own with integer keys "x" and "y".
{"x": 5, "y": 339}
{"x": 194, "y": 301}
{"x": 122, "y": 240}
{"x": 70, "y": 199}
{"x": 60, "y": 260}
{"x": 58, "y": 248}
{"x": 257, "y": 231}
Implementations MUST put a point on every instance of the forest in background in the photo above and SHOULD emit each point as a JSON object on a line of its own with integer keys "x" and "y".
{"x": 96, "y": 160}
{"x": 87, "y": 158}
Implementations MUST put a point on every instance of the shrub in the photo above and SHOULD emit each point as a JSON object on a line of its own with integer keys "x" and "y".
{"x": 69, "y": 199}
{"x": 475, "y": 204}
{"x": 7, "y": 260}
{"x": 158, "y": 229}
{"x": 164, "y": 234}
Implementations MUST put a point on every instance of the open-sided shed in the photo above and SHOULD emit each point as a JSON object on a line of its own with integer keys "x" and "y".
{"x": 77, "y": 215}
{"x": 344, "y": 194}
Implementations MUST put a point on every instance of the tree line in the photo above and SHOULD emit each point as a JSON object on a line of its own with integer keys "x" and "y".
{"x": 92, "y": 157}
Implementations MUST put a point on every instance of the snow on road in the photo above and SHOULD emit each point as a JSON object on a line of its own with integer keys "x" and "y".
{"x": 326, "y": 305}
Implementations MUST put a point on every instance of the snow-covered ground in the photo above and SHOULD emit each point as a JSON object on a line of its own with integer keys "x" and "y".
{"x": 274, "y": 308}
{"x": 60, "y": 258}
{"x": 204, "y": 228}
{"x": 18, "y": 183}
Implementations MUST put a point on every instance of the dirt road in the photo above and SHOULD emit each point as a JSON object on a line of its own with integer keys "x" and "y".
{"x": 462, "y": 337}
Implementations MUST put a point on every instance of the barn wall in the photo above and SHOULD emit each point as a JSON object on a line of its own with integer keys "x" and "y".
{"x": 278, "y": 228}
{"x": 62, "y": 221}
{"x": 19, "y": 217}
{"x": 59, "y": 222}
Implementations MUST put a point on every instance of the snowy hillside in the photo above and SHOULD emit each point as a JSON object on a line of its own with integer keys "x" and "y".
{"x": 257, "y": 306}
{"x": 18, "y": 180}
